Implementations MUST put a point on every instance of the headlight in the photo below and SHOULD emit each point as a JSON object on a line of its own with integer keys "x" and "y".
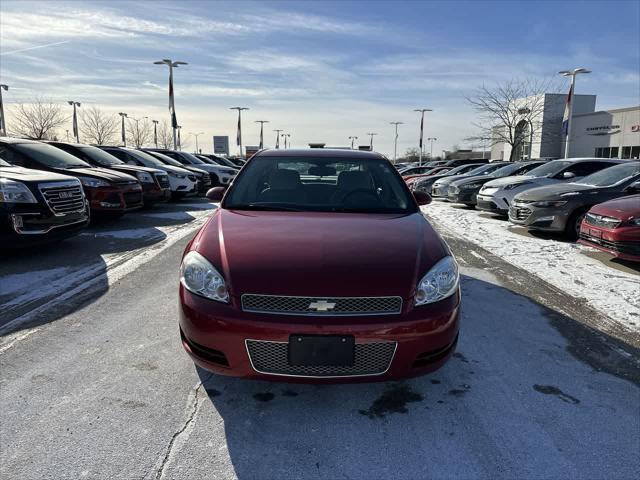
{"x": 93, "y": 182}
{"x": 15, "y": 192}
{"x": 200, "y": 277}
{"x": 144, "y": 177}
{"x": 177, "y": 175}
{"x": 634, "y": 221}
{"x": 470, "y": 186}
{"x": 439, "y": 283}
{"x": 511, "y": 186}
{"x": 569, "y": 194}
{"x": 553, "y": 204}
{"x": 488, "y": 190}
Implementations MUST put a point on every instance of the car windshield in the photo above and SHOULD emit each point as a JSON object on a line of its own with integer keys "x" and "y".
{"x": 612, "y": 175}
{"x": 191, "y": 158}
{"x": 484, "y": 169}
{"x": 49, "y": 155}
{"x": 101, "y": 157}
{"x": 314, "y": 184}
{"x": 549, "y": 169}
{"x": 165, "y": 159}
{"x": 507, "y": 170}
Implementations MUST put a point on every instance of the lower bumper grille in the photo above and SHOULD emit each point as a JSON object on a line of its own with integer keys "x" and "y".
{"x": 163, "y": 181}
{"x": 519, "y": 213}
{"x": 332, "y": 306}
{"x": 629, "y": 248}
{"x": 272, "y": 358}
{"x": 132, "y": 199}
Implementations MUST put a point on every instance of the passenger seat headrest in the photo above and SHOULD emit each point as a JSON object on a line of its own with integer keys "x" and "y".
{"x": 284, "y": 179}
{"x": 322, "y": 171}
{"x": 355, "y": 180}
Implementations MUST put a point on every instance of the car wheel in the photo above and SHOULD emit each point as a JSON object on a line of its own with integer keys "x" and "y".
{"x": 572, "y": 229}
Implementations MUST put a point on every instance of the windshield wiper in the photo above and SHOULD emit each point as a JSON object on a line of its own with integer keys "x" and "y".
{"x": 268, "y": 208}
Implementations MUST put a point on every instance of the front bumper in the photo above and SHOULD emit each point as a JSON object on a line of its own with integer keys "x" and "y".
{"x": 488, "y": 203}
{"x": 622, "y": 242}
{"x": 538, "y": 218}
{"x": 439, "y": 192}
{"x": 215, "y": 335}
{"x": 116, "y": 199}
{"x": 462, "y": 196}
{"x": 152, "y": 193}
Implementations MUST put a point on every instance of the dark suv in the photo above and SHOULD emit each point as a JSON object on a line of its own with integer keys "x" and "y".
{"x": 37, "y": 206}
{"x": 108, "y": 191}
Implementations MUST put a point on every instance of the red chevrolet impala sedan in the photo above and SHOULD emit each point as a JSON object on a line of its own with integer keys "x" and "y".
{"x": 318, "y": 266}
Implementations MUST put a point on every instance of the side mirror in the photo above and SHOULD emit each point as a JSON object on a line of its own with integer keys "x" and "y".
{"x": 422, "y": 198}
{"x": 566, "y": 175}
{"x": 633, "y": 188}
{"x": 215, "y": 194}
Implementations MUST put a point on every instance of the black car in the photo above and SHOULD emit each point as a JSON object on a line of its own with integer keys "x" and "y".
{"x": 466, "y": 189}
{"x": 440, "y": 188}
{"x": 38, "y": 206}
{"x": 218, "y": 160}
{"x": 203, "y": 178}
{"x": 465, "y": 161}
{"x": 425, "y": 184}
{"x": 155, "y": 182}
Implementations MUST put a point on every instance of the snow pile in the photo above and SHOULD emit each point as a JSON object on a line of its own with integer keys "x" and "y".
{"x": 612, "y": 292}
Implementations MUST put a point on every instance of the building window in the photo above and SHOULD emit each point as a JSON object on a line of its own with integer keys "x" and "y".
{"x": 635, "y": 152}
{"x": 614, "y": 152}
{"x": 598, "y": 153}
{"x": 626, "y": 152}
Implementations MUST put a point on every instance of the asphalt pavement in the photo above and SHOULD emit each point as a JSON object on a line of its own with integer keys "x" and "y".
{"x": 99, "y": 387}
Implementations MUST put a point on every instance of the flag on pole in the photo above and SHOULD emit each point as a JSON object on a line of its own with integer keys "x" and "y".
{"x": 567, "y": 109}
{"x": 172, "y": 105}
{"x": 421, "y": 129}
{"x": 239, "y": 134}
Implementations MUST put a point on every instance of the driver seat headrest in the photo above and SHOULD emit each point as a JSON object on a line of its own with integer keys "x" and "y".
{"x": 355, "y": 180}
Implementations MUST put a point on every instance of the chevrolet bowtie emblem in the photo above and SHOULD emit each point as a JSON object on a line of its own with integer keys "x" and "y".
{"x": 321, "y": 306}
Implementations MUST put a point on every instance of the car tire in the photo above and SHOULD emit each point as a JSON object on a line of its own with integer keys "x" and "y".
{"x": 572, "y": 228}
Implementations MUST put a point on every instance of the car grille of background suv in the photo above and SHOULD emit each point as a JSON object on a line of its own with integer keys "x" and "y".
{"x": 272, "y": 358}
{"x": 305, "y": 305}
{"x": 602, "y": 221}
{"x": 63, "y": 197}
{"x": 163, "y": 180}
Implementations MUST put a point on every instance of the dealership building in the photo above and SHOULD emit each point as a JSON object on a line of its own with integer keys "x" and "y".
{"x": 605, "y": 134}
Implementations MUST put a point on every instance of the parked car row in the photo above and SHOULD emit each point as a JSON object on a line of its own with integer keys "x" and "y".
{"x": 50, "y": 190}
{"x": 564, "y": 196}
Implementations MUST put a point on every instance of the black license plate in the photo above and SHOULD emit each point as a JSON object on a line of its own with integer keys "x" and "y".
{"x": 321, "y": 350}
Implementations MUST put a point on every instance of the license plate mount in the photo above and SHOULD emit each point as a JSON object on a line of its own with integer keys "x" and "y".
{"x": 321, "y": 350}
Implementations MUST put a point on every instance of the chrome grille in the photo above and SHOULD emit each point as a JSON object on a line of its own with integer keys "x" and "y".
{"x": 332, "y": 306}
{"x": 163, "y": 180}
{"x": 63, "y": 197}
{"x": 602, "y": 221}
{"x": 272, "y": 358}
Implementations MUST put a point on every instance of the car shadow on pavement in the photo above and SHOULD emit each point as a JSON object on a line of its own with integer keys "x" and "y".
{"x": 529, "y": 393}
{"x": 77, "y": 268}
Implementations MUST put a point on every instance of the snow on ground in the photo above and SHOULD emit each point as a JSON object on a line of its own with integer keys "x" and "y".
{"x": 564, "y": 265}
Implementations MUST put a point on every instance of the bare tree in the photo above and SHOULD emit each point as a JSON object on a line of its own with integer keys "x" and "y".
{"x": 411, "y": 155}
{"x": 38, "y": 119}
{"x": 165, "y": 135}
{"x": 511, "y": 112}
{"x": 139, "y": 132}
{"x": 99, "y": 127}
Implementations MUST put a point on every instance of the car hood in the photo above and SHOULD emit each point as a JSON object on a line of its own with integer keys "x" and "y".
{"x": 560, "y": 191}
{"x": 475, "y": 179}
{"x": 512, "y": 180}
{"x": 133, "y": 169}
{"x": 100, "y": 173}
{"x": 173, "y": 169}
{"x": 450, "y": 179}
{"x": 196, "y": 170}
{"x": 622, "y": 208}
{"x": 320, "y": 254}
{"x": 21, "y": 174}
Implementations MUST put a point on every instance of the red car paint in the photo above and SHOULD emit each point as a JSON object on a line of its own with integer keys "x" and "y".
{"x": 318, "y": 253}
{"x": 622, "y": 238}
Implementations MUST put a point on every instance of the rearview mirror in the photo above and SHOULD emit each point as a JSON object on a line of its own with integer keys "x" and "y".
{"x": 568, "y": 175}
{"x": 215, "y": 194}
{"x": 422, "y": 198}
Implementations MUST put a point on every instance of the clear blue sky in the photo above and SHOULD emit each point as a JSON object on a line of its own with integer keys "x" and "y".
{"x": 321, "y": 70}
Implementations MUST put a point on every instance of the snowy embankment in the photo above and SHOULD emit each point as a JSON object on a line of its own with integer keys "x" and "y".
{"x": 614, "y": 293}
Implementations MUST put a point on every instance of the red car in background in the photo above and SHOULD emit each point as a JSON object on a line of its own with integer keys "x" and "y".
{"x": 434, "y": 171}
{"x": 614, "y": 227}
{"x": 292, "y": 277}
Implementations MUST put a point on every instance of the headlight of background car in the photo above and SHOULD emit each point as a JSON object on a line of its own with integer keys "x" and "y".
{"x": 439, "y": 283}
{"x": 177, "y": 175}
{"x": 200, "y": 277}
{"x": 553, "y": 204}
{"x": 93, "y": 182}
{"x": 15, "y": 192}
{"x": 144, "y": 177}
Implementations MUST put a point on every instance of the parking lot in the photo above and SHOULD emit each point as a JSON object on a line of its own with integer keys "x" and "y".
{"x": 94, "y": 377}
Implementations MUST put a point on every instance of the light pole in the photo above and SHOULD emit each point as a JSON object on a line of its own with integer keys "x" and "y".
{"x": 196, "y": 135}
{"x": 287, "y": 141}
{"x": 3, "y": 125}
{"x": 155, "y": 132}
{"x": 421, "y": 110}
{"x": 431, "y": 139}
{"x": 278, "y": 137}
{"x": 352, "y": 140}
{"x": 568, "y": 110}
{"x": 172, "y": 105}
{"x": 371, "y": 141}
{"x": 76, "y": 133}
{"x": 123, "y": 131}
{"x": 285, "y": 136}
{"x": 178, "y": 128}
{"x": 67, "y": 130}
{"x": 239, "y": 134}
{"x": 395, "y": 141}
{"x": 262, "y": 122}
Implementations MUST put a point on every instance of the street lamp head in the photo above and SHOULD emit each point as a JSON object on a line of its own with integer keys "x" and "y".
{"x": 422, "y": 110}
{"x": 575, "y": 71}
{"x": 122, "y": 114}
{"x": 396, "y": 123}
{"x": 261, "y": 121}
{"x": 154, "y": 121}
{"x": 175, "y": 64}
{"x": 4, "y": 87}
